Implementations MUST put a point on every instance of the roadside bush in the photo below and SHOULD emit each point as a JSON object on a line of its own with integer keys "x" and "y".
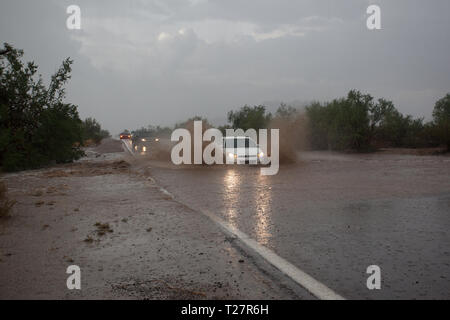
{"x": 441, "y": 117}
{"x": 343, "y": 124}
{"x": 92, "y": 130}
{"x": 359, "y": 123}
{"x": 318, "y": 123}
{"x": 36, "y": 126}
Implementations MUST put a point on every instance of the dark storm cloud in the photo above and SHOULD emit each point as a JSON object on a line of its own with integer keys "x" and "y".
{"x": 152, "y": 62}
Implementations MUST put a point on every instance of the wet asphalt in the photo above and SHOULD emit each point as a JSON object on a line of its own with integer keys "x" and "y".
{"x": 334, "y": 215}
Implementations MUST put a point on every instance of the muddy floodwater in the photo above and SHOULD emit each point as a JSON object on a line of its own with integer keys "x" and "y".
{"x": 333, "y": 215}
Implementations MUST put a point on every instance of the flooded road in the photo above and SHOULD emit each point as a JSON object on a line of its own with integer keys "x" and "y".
{"x": 333, "y": 215}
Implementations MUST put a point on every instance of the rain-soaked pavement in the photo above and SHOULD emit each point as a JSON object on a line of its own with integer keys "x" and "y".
{"x": 333, "y": 215}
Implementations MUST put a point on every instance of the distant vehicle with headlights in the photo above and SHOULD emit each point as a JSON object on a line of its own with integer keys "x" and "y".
{"x": 242, "y": 150}
{"x": 144, "y": 144}
{"x": 125, "y": 135}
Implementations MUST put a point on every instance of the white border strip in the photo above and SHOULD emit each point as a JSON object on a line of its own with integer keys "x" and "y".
{"x": 315, "y": 287}
{"x": 127, "y": 146}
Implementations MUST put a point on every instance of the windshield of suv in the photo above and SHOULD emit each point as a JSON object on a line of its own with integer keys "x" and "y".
{"x": 239, "y": 142}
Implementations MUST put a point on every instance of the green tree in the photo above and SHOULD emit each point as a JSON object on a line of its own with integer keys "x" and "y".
{"x": 249, "y": 118}
{"x": 285, "y": 111}
{"x": 354, "y": 122}
{"x": 93, "y": 130}
{"x": 36, "y": 126}
{"x": 392, "y": 129}
{"x": 441, "y": 118}
{"x": 352, "y": 126}
{"x": 319, "y": 122}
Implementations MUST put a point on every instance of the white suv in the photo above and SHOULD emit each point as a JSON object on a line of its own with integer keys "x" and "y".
{"x": 242, "y": 150}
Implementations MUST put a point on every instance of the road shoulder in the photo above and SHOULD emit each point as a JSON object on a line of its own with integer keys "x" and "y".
{"x": 130, "y": 240}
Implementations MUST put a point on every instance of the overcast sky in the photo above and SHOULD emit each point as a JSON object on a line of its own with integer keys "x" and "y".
{"x": 157, "y": 62}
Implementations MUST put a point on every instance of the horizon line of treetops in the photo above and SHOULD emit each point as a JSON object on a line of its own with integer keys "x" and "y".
{"x": 38, "y": 127}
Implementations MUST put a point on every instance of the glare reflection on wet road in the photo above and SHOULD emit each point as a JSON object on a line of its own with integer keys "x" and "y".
{"x": 262, "y": 201}
{"x": 234, "y": 200}
{"x": 231, "y": 195}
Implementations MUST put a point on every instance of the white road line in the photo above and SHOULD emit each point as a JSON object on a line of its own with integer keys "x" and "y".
{"x": 315, "y": 287}
{"x": 127, "y": 146}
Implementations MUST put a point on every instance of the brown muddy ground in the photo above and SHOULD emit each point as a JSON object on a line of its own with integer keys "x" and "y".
{"x": 130, "y": 240}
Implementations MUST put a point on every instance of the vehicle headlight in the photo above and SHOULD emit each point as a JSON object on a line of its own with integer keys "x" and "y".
{"x": 143, "y": 140}
{"x": 261, "y": 154}
{"x": 144, "y": 148}
{"x": 157, "y": 139}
